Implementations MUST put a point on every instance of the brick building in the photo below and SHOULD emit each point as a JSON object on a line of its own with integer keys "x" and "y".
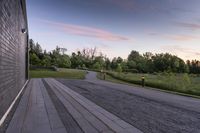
{"x": 13, "y": 51}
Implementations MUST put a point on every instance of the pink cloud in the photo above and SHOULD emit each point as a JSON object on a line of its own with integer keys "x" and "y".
{"x": 182, "y": 37}
{"x": 192, "y": 26}
{"x": 176, "y": 37}
{"x": 86, "y": 31}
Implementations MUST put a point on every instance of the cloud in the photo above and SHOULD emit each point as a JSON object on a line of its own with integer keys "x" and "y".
{"x": 182, "y": 37}
{"x": 153, "y": 34}
{"x": 184, "y": 52}
{"x": 192, "y": 26}
{"x": 176, "y": 37}
{"x": 197, "y": 53}
{"x": 86, "y": 31}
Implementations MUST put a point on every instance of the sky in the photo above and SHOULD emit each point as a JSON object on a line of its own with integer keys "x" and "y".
{"x": 116, "y": 27}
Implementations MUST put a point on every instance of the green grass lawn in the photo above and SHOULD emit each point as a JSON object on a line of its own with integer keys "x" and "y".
{"x": 181, "y": 83}
{"x": 62, "y": 73}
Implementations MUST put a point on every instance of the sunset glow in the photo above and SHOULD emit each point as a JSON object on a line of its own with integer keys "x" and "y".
{"x": 118, "y": 26}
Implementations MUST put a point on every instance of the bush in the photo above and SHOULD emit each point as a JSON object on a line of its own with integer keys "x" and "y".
{"x": 123, "y": 78}
{"x": 97, "y": 66}
{"x": 119, "y": 68}
{"x": 131, "y": 70}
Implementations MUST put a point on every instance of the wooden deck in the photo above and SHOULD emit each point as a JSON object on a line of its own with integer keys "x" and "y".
{"x": 48, "y": 106}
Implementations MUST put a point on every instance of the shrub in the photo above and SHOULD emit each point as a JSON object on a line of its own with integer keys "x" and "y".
{"x": 97, "y": 66}
{"x": 119, "y": 68}
{"x": 131, "y": 70}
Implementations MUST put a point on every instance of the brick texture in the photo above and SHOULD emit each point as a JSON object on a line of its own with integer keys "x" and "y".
{"x": 13, "y": 51}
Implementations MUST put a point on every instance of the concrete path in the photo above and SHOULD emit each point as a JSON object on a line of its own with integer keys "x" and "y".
{"x": 91, "y": 76}
{"x": 190, "y": 103}
{"x": 48, "y": 106}
{"x": 149, "y": 110}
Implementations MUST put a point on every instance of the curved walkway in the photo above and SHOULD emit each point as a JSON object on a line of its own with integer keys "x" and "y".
{"x": 149, "y": 110}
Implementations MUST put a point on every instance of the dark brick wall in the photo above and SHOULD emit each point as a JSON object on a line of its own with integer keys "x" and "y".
{"x": 13, "y": 48}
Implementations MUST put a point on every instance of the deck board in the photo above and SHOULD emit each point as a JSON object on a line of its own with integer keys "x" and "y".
{"x": 66, "y": 118}
{"x": 54, "y": 119}
{"x": 48, "y": 106}
{"x": 113, "y": 122}
{"x": 17, "y": 122}
{"x": 87, "y": 120}
{"x": 35, "y": 113}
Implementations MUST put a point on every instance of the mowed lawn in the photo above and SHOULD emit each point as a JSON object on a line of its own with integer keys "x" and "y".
{"x": 61, "y": 73}
{"x": 181, "y": 83}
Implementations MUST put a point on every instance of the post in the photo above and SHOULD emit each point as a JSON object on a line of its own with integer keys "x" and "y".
{"x": 143, "y": 81}
{"x": 104, "y": 76}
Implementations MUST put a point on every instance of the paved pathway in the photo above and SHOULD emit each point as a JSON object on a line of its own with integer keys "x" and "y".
{"x": 149, "y": 110}
{"x": 91, "y": 76}
{"x": 48, "y": 106}
{"x": 188, "y": 103}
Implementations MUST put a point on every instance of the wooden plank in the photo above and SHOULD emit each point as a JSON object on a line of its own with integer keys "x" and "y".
{"x": 36, "y": 120}
{"x": 79, "y": 117}
{"x": 100, "y": 126}
{"x": 47, "y": 109}
{"x": 17, "y": 121}
{"x": 54, "y": 119}
{"x": 70, "y": 124}
{"x": 112, "y": 121}
{"x": 115, "y": 127}
{"x": 31, "y": 115}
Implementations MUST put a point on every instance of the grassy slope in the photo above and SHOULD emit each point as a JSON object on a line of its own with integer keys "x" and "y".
{"x": 159, "y": 81}
{"x": 62, "y": 73}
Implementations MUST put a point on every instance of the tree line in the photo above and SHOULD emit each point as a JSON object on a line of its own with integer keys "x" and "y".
{"x": 90, "y": 58}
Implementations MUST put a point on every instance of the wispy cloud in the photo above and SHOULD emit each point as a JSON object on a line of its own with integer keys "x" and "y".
{"x": 175, "y": 37}
{"x": 192, "y": 26}
{"x": 184, "y": 52}
{"x": 153, "y": 33}
{"x": 86, "y": 31}
{"x": 182, "y": 37}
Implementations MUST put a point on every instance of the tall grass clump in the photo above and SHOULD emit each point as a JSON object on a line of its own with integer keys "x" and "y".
{"x": 183, "y": 83}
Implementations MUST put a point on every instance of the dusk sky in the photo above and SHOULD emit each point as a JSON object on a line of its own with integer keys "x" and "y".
{"x": 116, "y": 27}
